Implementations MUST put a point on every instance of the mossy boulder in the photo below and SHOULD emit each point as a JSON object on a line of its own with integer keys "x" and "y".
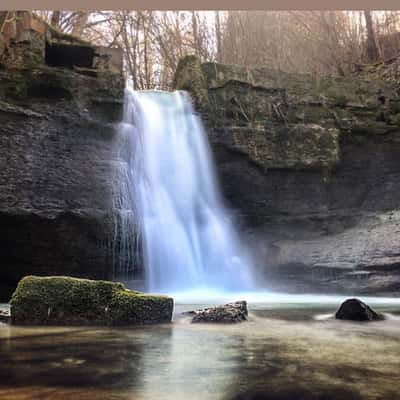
{"x": 60, "y": 300}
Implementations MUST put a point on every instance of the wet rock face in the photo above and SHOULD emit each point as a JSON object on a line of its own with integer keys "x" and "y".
{"x": 57, "y": 136}
{"x": 60, "y": 98}
{"x": 356, "y": 310}
{"x": 311, "y": 168}
{"x": 228, "y": 313}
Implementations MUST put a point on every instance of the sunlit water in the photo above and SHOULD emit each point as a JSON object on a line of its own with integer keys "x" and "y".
{"x": 284, "y": 352}
{"x": 187, "y": 236}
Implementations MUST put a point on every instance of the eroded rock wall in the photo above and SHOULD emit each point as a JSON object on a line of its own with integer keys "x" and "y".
{"x": 57, "y": 130}
{"x": 311, "y": 168}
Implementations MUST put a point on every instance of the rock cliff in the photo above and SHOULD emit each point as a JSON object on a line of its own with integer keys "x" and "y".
{"x": 311, "y": 167}
{"x": 57, "y": 129}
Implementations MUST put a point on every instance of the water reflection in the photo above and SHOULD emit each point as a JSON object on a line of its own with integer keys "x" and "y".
{"x": 274, "y": 356}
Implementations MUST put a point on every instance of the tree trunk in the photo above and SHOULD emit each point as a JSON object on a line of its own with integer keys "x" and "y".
{"x": 372, "y": 48}
{"x": 218, "y": 36}
{"x": 55, "y": 19}
{"x": 196, "y": 41}
{"x": 80, "y": 23}
{"x": 147, "y": 66}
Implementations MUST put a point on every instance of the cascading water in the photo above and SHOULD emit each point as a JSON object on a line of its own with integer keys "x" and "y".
{"x": 186, "y": 234}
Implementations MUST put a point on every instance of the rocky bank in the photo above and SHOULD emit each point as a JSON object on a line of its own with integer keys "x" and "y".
{"x": 311, "y": 167}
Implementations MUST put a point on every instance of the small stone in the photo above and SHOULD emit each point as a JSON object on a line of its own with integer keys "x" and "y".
{"x": 5, "y": 315}
{"x": 356, "y": 310}
{"x": 228, "y": 313}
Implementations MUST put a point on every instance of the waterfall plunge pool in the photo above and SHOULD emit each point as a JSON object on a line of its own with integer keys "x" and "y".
{"x": 288, "y": 350}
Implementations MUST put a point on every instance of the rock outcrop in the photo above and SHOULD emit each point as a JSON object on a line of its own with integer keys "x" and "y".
{"x": 70, "y": 301}
{"x": 311, "y": 167}
{"x": 356, "y": 310}
{"x": 27, "y": 41}
{"x": 57, "y": 140}
{"x": 5, "y": 315}
{"x": 227, "y": 314}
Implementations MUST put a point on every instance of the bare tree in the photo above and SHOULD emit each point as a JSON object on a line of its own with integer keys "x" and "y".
{"x": 218, "y": 35}
{"x": 55, "y": 19}
{"x": 316, "y": 42}
{"x": 372, "y": 48}
{"x": 80, "y": 23}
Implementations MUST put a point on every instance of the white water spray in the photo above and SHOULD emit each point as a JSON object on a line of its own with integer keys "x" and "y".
{"x": 187, "y": 238}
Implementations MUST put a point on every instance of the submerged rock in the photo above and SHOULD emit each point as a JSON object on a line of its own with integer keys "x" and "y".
{"x": 228, "y": 313}
{"x": 71, "y": 301}
{"x": 356, "y": 310}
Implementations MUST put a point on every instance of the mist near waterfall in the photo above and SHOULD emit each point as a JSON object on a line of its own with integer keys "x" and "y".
{"x": 187, "y": 236}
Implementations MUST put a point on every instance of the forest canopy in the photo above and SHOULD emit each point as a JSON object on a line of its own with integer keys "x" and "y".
{"x": 316, "y": 42}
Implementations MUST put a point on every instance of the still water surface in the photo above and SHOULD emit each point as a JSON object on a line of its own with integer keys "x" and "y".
{"x": 290, "y": 349}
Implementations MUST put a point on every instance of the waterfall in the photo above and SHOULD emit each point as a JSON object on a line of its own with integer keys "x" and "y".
{"x": 186, "y": 234}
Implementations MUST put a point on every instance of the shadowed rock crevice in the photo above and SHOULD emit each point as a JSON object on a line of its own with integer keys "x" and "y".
{"x": 61, "y": 55}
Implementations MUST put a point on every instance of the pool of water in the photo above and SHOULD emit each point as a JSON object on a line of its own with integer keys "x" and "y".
{"x": 290, "y": 349}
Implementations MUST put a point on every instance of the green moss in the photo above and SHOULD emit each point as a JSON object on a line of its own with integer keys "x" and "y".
{"x": 58, "y": 36}
{"x": 61, "y": 84}
{"x": 110, "y": 84}
{"x": 394, "y": 106}
{"x": 340, "y": 100}
{"x": 395, "y": 119}
{"x": 37, "y": 82}
{"x": 60, "y": 300}
{"x": 138, "y": 308}
{"x": 189, "y": 76}
{"x": 15, "y": 85}
{"x": 371, "y": 128}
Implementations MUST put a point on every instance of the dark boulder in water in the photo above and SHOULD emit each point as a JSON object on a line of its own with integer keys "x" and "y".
{"x": 356, "y": 310}
{"x": 228, "y": 313}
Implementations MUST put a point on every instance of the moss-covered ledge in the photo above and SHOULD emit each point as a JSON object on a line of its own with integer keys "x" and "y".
{"x": 61, "y": 300}
{"x": 288, "y": 121}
